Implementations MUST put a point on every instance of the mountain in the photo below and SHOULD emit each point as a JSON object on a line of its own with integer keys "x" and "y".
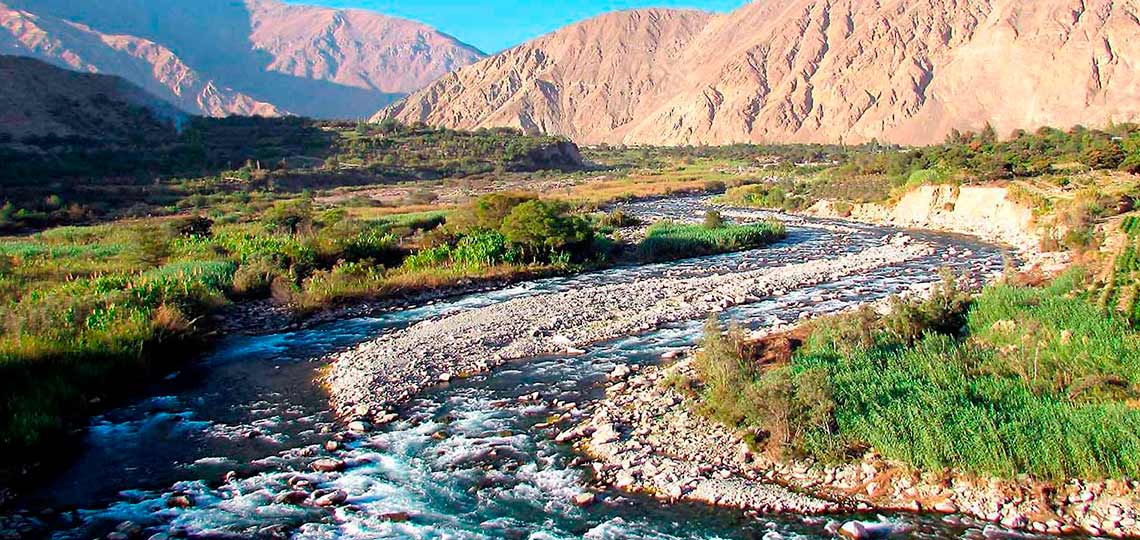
{"x": 39, "y": 100}
{"x": 246, "y": 57}
{"x": 902, "y": 71}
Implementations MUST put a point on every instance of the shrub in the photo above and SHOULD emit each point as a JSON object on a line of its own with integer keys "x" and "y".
{"x": 943, "y": 311}
{"x": 618, "y": 219}
{"x": 192, "y": 226}
{"x": 289, "y": 217}
{"x": 713, "y": 220}
{"x": 254, "y": 278}
{"x": 483, "y": 250}
{"x": 542, "y": 229}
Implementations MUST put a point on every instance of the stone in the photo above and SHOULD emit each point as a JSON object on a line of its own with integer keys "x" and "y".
{"x": 946, "y": 507}
{"x": 395, "y": 517}
{"x": 332, "y": 446}
{"x": 605, "y": 434}
{"x": 291, "y": 497}
{"x": 584, "y": 499}
{"x": 179, "y": 501}
{"x": 568, "y": 436}
{"x": 327, "y": 465}
{"x": 330, "y": 497}
{"x": 624, "y": 480}
{"x": 359, "y": 426}
{"x": 619, "y": 372}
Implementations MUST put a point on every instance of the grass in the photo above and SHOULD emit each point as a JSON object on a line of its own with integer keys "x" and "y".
{"x": 666, "y": 240}
{"x": 1034, "y": 381}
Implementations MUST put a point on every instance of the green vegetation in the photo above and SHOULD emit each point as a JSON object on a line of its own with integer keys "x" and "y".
{"x": 1018, "y": 380}
{"x": 666, "y": 240}
{"x": 83, "y": 306}
{"x": 241, "y": 165}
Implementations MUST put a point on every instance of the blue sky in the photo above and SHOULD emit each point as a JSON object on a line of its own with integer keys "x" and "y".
{"x": 494, "y": 25}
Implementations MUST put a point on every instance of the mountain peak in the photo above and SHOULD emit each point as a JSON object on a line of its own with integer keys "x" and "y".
{"x": 845, "y": 70}
{"x": 221, "y": 57}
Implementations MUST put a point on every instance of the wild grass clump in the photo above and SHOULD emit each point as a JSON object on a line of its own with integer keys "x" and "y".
{"x": 1019, "y": 380}
{"x": 666, "y": 240}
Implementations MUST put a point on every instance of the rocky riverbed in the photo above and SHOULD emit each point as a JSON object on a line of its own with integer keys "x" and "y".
{"x": 645, "y": 437}
{"x": 369, "y": 379}
{"x": 241, "y": 442}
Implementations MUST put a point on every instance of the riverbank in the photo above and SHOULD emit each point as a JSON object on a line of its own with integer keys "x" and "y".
{"x": 645, "y": 437}
{"x": 367, "y": 381}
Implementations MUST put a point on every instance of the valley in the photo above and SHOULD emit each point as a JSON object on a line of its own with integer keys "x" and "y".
{"x": 785, "y": 270}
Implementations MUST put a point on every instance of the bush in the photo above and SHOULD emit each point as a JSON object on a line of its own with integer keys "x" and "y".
{"x": 618, "y": 219}
{"x": 542, "y": 230}
{"x": 942, "y": 312}
{"x": 254, "y": 278}
{"x": 781, "y": 404}
{"x": 483, "y": 250}
{"x": 713, "y": 220}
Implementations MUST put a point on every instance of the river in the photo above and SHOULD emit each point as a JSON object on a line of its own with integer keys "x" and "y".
{"x": 466, "y": 459}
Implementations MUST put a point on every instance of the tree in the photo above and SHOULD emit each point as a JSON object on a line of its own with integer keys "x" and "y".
{"x": 1131, "y": 147}
{"x": 487, "y": 212}
{"x": 1102, "y": 154}
{"x": 543, "y": 228}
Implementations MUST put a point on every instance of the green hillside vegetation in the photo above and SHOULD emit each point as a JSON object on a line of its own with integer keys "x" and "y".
{"x": 243, "y": 164}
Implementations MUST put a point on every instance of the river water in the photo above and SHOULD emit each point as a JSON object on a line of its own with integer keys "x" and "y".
{"x": 465, "y": 460}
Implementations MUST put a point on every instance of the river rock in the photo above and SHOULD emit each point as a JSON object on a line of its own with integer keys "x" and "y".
{"x": 291, "y": 497}
{"x": 327, "y": 465}
{"x": 359, "y": 426}
{"x": 584, "y": 499}
{"x": 605, "y": 434}
{"x": 327, "y": 498}
{"x": 619, "y": 372}
{"x": 862, "y": 530}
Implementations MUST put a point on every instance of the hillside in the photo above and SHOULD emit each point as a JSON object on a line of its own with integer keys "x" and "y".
{"x": 805, "y": 71}
{"x": 257, "y": 57}
{"x": 39, "y": 101}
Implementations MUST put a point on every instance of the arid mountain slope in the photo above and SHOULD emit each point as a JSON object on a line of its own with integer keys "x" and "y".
{"x": 219, "y": 57}
{"x": 806, "y": 70}
{"x": 40, "y": 100}
{"x": 586, "y": 81}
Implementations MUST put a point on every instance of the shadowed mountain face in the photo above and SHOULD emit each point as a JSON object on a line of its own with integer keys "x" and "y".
{"x": 39, "y": 100}
{"x": 806, "y": 70}
{"x": 220, "y": 57}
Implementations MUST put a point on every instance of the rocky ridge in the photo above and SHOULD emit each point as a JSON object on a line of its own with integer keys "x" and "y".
{"x": 805, "y": 71}
{"x": 40, "y": 100}
{"x": 252, "y": 57}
